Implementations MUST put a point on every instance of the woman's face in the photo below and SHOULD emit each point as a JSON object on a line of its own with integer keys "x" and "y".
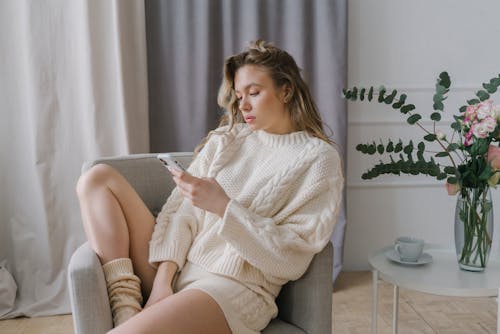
{"x": 260, "y": 102}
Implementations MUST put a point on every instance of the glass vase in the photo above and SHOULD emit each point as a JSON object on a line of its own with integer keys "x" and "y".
{"x": 473, "y": 228}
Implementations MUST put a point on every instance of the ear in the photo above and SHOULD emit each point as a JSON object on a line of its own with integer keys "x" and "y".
{"x": 286, "y": 93}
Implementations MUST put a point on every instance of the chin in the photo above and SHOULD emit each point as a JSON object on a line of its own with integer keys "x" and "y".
{"x": 254, "y": 127}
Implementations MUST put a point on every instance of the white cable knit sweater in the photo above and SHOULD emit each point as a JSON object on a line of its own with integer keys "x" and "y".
{"x": 285, "y": 194}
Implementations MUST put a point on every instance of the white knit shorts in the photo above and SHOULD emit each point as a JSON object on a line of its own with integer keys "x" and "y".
{"x": 246, "y": 312}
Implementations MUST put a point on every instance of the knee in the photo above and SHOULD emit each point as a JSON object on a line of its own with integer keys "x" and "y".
{"x": 97, "y": 176}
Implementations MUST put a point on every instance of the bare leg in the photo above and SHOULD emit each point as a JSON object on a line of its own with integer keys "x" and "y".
{"x": 117, "y": 222}
{"x": 189, "y": 311}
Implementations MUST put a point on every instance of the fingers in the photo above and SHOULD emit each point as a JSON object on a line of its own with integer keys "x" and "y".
{"x": 184, "y": 176}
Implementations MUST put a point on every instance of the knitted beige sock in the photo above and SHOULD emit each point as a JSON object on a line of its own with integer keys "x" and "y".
{"x": 124, "y": 289}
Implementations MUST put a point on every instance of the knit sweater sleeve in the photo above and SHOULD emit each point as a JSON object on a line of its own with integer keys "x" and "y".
{"x": 282, "y": 246}
{"x": 176, "y": 224}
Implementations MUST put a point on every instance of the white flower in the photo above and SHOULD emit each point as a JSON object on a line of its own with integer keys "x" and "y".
{"x": 479, "y": 130}
{"x": 489, "y": 123}
{"x": 484, "y": 109}
{"x": 496, "y": 112}
{"x": 440, "y": 135}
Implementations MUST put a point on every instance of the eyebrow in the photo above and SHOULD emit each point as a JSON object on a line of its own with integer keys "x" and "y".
{"x": 249, "y": 85}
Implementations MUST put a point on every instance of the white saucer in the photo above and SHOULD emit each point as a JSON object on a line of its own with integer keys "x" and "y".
{"x": 392, "y": 255}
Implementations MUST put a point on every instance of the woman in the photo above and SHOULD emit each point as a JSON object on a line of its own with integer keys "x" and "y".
{"x": 258, "y": 201}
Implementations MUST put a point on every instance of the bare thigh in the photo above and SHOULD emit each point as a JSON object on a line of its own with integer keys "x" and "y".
{"x": 186, "y": 312}
{"x": 116, "y": 220}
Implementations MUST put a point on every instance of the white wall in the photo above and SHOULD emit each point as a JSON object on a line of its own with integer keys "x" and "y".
{"x": 405, "y": 45}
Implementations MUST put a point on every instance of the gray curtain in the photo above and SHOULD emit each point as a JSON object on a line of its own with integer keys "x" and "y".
{"x": 187, "y": 41}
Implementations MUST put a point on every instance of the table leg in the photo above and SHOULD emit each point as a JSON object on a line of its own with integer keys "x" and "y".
{"x": 374, "y": 300}
{"x": 395, "y": 306}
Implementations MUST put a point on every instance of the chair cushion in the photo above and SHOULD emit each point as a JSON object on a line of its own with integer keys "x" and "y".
{"x": 277, "y": 326}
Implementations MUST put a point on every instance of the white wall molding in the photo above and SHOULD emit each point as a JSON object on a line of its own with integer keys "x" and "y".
{"x": 386, "y": 46}
{"x": 423, "y": 89}
{"x": 394, "y": 184}
{"x": 402, "y": 122}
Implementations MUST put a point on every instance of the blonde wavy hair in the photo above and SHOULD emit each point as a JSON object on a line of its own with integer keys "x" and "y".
{"x": 283, "y": 70}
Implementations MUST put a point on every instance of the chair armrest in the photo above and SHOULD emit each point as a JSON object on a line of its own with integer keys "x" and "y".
{"x": 307, "y": 302}
{"x": 88, "y": 294}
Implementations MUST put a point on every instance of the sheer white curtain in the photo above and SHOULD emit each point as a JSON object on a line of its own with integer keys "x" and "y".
{"x": 73, "y": 86}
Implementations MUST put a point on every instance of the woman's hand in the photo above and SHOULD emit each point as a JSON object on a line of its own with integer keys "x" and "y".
{"x": 205, "y": 193}
{"x": 162, "y": 285}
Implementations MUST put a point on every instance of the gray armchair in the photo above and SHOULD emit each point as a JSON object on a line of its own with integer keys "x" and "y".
{"x": 305, "y": 305}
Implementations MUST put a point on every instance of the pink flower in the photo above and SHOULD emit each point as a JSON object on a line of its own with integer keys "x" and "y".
{"x": 470, "y": 111}
{"x": 494, "y": 156}
{"x": 469, "y": 138}
{"x": 470, "y": 115}
{"x": 452, "y": 189}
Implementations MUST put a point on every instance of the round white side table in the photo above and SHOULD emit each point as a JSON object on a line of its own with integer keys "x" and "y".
{"x": 440, "y": 277}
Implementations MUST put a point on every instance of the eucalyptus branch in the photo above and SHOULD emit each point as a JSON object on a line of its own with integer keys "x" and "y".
{"x": 422, "y": 165}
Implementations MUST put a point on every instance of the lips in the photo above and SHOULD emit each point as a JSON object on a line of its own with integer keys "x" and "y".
{"x": 249, "y": 119}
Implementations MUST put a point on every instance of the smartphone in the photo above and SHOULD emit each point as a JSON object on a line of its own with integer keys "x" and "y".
{"x": 170, "y": 160}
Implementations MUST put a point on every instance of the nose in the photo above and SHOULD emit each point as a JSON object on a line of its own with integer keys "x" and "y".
{"x": 244, "y": 105}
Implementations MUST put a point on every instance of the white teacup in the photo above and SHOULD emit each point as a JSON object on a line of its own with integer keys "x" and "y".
{"x": 409, "y": 249}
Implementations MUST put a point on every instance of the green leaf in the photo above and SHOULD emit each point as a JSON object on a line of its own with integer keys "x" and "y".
{"x": 362, "y": 94}
{"x": 430, "y": 137}
{"x": 347, "y": 94}
{"x": 370, "y": 94}
{"x": 354, "y": 96}
{"x": 444, "y": 79}
{"x": 437, "y": 97}
{"x": 390, "y": 147}
{"x": 435, "y": 116}
{"x": 472, "y": 102}
{"x": 400, "y": 102}
{"x": 456, "y": 126}
{"x": 462, "y": 108}
{"x": 490, "y": 88}
{"x": 413, "y": 119}
{"x": 483, "y": 95}
{"x": 380, "y": 149}
{"x": 438, "y": 105}
{"x": 452, "y": 180}
{"x": 453, "y": 147}
{"x": 390, "y": 97}
{"x": 440, "y": 91}
{"x": 441, "y": 154}
{"x": 449, "y": 170}
{"x": 408, "y": 148}
{"x": 407, "y": 108}
{"x": 441, "y": 176}
{"x": 485, "y": 175}
{"x": 381, "y": 92}
{"x": 399, "y": 147}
